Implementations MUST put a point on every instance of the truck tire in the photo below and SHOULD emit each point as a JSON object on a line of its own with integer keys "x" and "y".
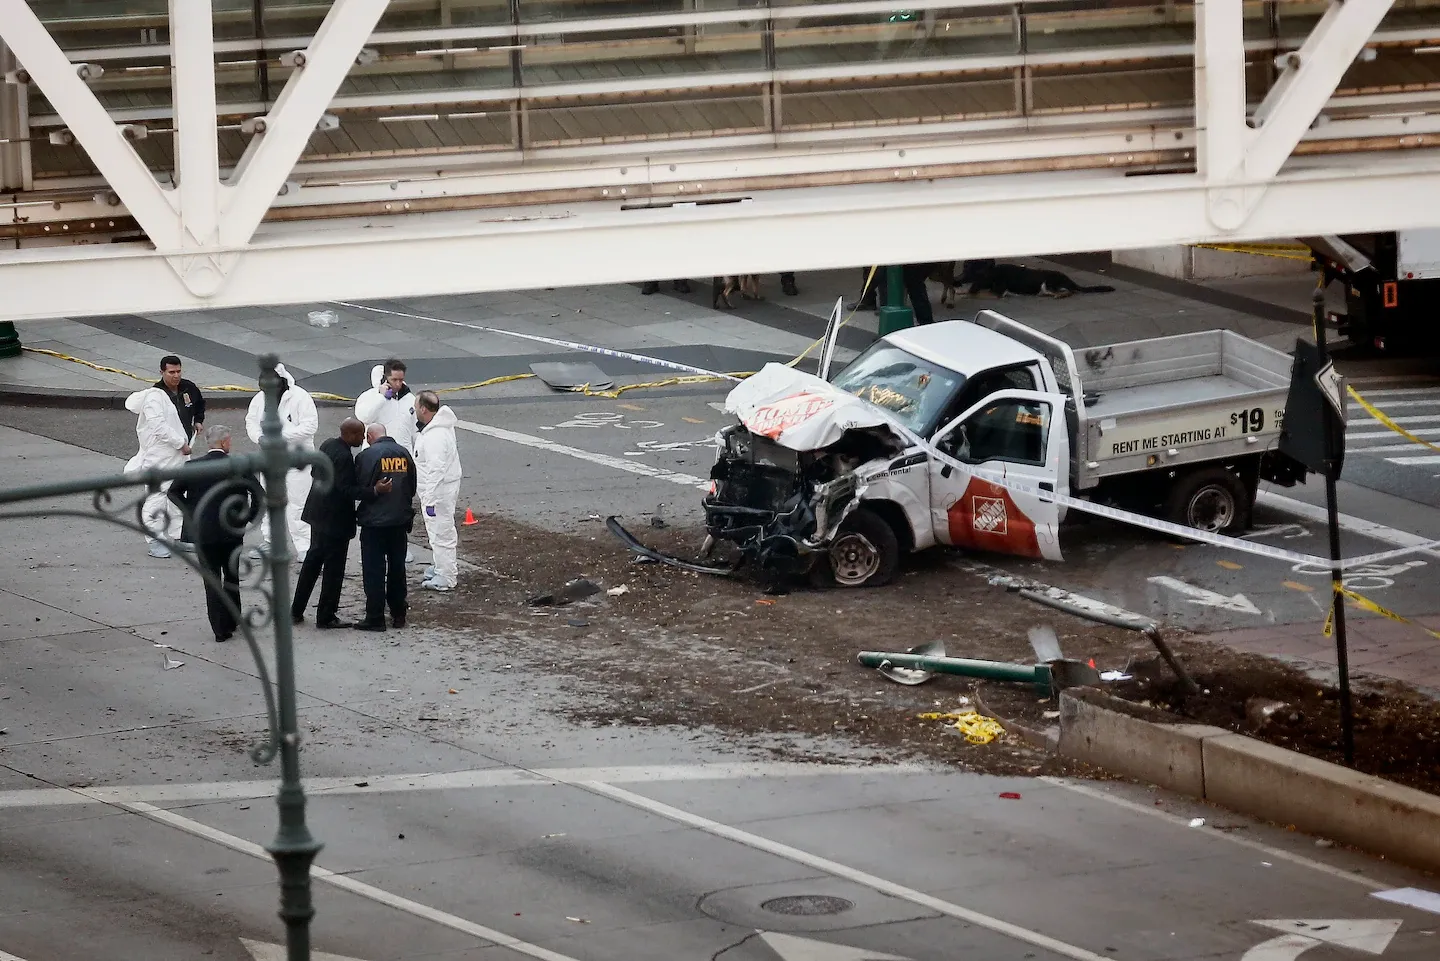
{"x": 864, "y": 553}
{"x": 1213, "y": 499}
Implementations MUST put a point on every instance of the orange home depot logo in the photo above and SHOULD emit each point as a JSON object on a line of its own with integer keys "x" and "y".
{"x": 990, "y": 516}
{"x": 772, "y": 420}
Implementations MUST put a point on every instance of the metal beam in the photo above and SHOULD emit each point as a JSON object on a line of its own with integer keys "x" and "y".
{"x": 271, "y": 156}
{"x": 1220, "y": 88}
{"x": 150, "y": 204}
{"x": 801, "y": 229}
{"x": 15, "y": 169}
{"x": 197, "y": 152}
{"x": 1292, "y": 104}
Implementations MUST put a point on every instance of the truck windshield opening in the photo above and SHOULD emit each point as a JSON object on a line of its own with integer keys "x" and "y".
{"x": 915, "y": 391}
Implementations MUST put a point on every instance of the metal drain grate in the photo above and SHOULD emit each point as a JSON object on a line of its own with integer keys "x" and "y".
{"x": 806, "y": 905}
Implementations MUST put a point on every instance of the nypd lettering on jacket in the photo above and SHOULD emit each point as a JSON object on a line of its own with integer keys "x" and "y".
{"x": 394, "y": 465}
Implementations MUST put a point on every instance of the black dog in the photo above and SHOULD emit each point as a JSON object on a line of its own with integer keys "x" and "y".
{"x": 1002, "y": 279}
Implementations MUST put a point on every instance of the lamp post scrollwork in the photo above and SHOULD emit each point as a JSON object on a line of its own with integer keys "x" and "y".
{"x": 120, "y": 499}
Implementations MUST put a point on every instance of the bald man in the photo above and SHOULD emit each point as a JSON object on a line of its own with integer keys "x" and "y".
{"x": 331, "y": 516}
{"x": 384, "y": 523}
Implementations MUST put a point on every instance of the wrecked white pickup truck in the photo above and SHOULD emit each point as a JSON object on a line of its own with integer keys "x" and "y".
{"x": 839, "y": 480}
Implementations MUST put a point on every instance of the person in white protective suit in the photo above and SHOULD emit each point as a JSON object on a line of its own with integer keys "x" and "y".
{"x": 389, "y": 401}
{"x": 298, "y": 423}
{"x": 162, "y": 445}
{"x": 437, "y": 476}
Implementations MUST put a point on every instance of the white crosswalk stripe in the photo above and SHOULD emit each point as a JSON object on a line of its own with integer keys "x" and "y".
{"x": 1414, "y": 408}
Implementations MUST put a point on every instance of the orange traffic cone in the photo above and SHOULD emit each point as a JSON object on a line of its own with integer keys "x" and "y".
{"x": 469, "y": 518}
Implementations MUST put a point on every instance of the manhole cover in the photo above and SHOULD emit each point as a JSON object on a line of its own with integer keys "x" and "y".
{"x": 807, "y": 905}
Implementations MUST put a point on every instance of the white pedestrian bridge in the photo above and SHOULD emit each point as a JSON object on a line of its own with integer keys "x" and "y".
{"x": 163, "y": 155}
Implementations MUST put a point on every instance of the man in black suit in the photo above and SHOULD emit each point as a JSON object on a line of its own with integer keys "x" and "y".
{"x": 384, "y": 521}
{"x": 331, "y": 516}
{"x": 215, "y": 542}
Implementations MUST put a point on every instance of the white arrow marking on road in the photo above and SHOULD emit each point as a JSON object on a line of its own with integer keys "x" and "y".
{"x": 9, "y": 957}
{"x": 1369, "y": 935}
{"x": 1238, "y": 603}
{"x": 791, "y": 948}
{"x": 1287, "y": 531}
{"x": 265, "y": 951}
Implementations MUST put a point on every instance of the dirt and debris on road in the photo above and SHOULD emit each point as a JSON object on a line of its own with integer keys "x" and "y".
{"x": 722, "y": 654}
{"x": 697, "y": 651}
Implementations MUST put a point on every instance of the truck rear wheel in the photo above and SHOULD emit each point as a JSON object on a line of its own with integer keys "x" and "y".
{"x": 864, "y": 553}
{"x": 1213, "y": 500}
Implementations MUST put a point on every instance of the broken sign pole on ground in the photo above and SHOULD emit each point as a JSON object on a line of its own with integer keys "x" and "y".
{"x": 1313, "y": 433}
{"x": 1060, "y": 600}
{"x": 916, "y": 665}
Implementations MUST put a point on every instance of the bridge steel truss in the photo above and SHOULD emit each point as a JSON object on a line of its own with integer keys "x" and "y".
{"x": 272, "y": 228}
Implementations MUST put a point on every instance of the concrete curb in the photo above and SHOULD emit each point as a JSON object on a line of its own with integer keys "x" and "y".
{"x": 1254, "y": 778}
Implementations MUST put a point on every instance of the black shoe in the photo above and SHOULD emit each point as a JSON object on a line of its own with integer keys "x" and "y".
{"x": 297, "y": 618}
{"x": 224, "y": 637}
{"x": 370, "y": 626}
{"x": 790, "y": 289}
{"x": 398, "y": 621}
{"x": 650, "y": 287}
{"x": 333, "y": 625}
{"x": 683, "y": 286}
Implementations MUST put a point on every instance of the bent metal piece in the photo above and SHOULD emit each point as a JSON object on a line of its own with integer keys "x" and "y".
{"x": 630, "y": 541}
{"x": 911, "y": 676}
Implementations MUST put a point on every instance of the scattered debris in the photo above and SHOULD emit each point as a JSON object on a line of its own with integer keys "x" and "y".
{"x": 1324, "y": 843}
{"x": 578, "y": 622}
{"x": 977, "y": 728}
{"x": 362, "y": 783}
{"x": 1197, "y": 822}
{"x": 657, "y": 519}
{"x": 170, "y": 662}
{"x": 1050, "y": 715}
{"x": 578, "y": 920}
{"x": 1259, "y": 710}
{"x": 1010, "y": 795}
{"x": 1114, "y": 676}
{"x": 561, "y": 834}
{"x": 453, "y": 691}
{"x": 618, "y": 591}
{"x": 568, "y": 593}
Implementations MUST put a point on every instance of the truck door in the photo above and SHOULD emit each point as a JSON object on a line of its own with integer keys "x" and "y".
{"x": 1018, "y": 435}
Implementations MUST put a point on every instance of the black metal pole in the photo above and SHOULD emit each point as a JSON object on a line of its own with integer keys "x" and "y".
{"x": 294, "y": 848}
{"x": 1332, "y": 510}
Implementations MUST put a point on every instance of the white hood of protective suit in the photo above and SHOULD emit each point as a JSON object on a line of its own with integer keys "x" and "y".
{"x": 299, "y": 420}
{"x": 398, "y": 414}
{"x": 158, "y": 429}
{"x": 802, "y": 412}
{"x": 437, "y": 459}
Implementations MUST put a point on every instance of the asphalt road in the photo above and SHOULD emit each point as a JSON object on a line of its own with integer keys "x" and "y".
{"x": 130, "y": 816}
{"x": 132, "y": 821}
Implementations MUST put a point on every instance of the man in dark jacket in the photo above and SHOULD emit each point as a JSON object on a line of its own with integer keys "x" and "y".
{"x": 384, "y": 522}
{"x": 190, "y": 404}
{"x": 215, "y": 541}
{"x": 331, "y": 516}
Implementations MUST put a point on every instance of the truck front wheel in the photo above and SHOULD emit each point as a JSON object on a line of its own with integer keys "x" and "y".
{"x": 1213, "y": 500}
{"x": 864, "y": 553}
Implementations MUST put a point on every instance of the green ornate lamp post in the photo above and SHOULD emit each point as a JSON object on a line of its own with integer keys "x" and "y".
{"x": 293, "y": 848}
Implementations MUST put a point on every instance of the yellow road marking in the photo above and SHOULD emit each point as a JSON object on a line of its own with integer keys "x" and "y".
{"x": 1229, "y": 565}
{"x": 692, "y": 420}
{"x": 632, "y": 406}
{"x": 1297, "y": 586}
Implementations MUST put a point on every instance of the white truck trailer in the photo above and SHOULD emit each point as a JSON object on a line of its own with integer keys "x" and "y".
{"x": 840, "y": 479}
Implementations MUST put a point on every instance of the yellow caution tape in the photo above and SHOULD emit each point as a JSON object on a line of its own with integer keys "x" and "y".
{"x": 1383, "y": 418}
{"x": 1365, "y": 604}
{"x": 863, "y": 291}
{"x": 1281, "y": 251}
{"x": 977, "y": 728}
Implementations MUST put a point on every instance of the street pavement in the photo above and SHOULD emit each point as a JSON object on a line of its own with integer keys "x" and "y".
{"x": 130, "y": 814}
{"x": 132, "y": 819}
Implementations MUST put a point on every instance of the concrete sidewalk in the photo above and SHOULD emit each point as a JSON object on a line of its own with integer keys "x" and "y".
{"x": 220, "y": 347}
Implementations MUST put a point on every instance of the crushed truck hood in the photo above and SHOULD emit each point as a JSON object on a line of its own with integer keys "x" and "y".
{"x": 802, "y": 412}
